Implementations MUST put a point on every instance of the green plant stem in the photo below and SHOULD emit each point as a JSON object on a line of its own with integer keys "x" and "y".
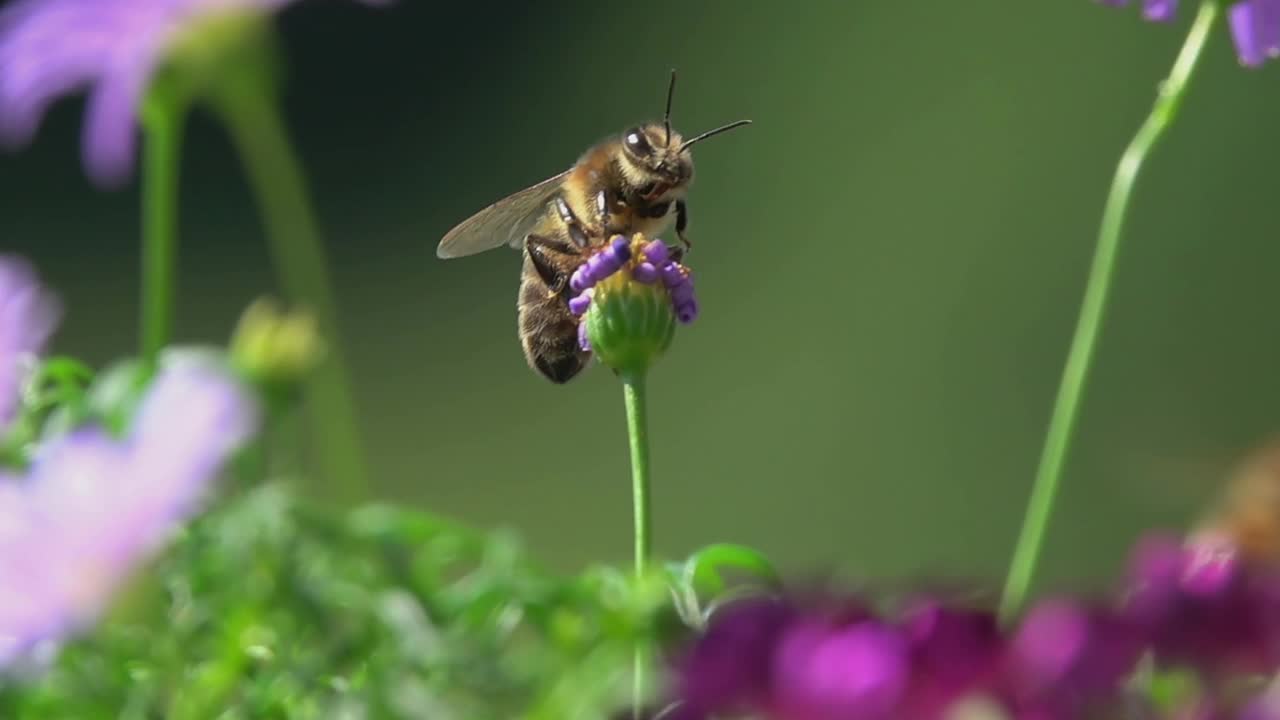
{"x": 638, "y": 433}
{"x": 162, "y": 150}
{"x": 1079, "y": 357}
{"x": 277, "y": 179}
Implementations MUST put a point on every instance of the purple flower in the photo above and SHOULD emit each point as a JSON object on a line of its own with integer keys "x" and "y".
{"x": 1255, "y": 25}
{"x": 92, "y": 507}
{"x": 1201, "y": 605}
{"x": 50, "y": 48}
{"x": 28, "y": 315}
{"x": 858, "y": 672}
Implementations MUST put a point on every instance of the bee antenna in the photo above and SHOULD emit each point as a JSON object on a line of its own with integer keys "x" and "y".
{"x": 666, "y": 117}
{"x": 713, "y": 132}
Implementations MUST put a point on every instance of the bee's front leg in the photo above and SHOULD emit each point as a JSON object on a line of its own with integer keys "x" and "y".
{"x": 577, "y": 233}
{"x": 550, "y": 258}
{"x": 682, "y": 222}
{"x": 605, "y": 211}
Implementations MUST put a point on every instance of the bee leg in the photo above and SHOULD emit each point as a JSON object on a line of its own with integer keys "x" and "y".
{"x": 682, "y": 222}
{"x": 576, "y": 232}
{"x": 542, "y": 252}
{"x": 676, "y": 254}
{"x": 602, "y": 210}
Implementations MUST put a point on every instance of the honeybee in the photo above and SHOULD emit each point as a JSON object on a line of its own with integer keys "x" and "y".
{"x": 633, "y": 182}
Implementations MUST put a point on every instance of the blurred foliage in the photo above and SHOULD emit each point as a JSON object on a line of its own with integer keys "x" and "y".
{"x": 268, "y": 607}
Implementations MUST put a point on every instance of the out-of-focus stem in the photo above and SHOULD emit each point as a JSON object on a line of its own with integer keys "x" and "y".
{"x": 1080, "y": 356}
{"x": 277, "y": 179}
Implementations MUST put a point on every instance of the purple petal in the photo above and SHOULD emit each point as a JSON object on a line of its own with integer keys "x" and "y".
{"x": 687, "y": 311}
{"x": 1255, "y": 27}
{"x": 645, "y": 273}
{"x": 840, "y": 674}
{"x": 621, "y": 248}
{"x": 584, "y": 341}
{"x": 682, "y": 293}
{"x": 109, "y": 128}
{"x": 579, "y": 304}
{"x": 656, "y": 252}
{"x": 1159, "y": 10}
{"x": 672, "y": 275}
{"x": 580, "y": 280}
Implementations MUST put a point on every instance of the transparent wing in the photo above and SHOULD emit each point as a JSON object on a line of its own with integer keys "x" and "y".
{"x": 505, "y": 222}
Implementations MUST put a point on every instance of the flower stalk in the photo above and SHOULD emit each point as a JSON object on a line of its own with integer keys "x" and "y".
{"x": 633, "y": 388}
{"x": 162, "y": 149}
{"x": 252, "y": 118}
{"x": 1080, "y": 355}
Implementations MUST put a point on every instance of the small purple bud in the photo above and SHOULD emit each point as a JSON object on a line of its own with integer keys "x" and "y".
{"x": 584, "y": 342}
{"x": 645, "y": 273}
{"x": 656, "y": 252}
{"x": 687, "y": 312}
{"x": 671, "y": 275}
{"x": 595, "y": 269}
{"x": 622, "y": 248}
{"x": 611, "y": 261}
{"x": 579, "y": 281}
{"x": 682, "y": 293}
{"x": 580, "y": 303}
{"x": 1159, "y": 10}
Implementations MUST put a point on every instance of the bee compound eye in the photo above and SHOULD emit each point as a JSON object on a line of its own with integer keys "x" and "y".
{"x": 637, "y": 142}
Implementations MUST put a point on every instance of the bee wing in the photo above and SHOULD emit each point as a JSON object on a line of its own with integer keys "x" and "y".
{"x": 503, "y": 223}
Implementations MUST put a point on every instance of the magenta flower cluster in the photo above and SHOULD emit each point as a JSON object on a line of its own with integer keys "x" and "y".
{"x": 1197, "y": 607}
{"x": 1255, "y": 25}
{"x": 656, "y": 265}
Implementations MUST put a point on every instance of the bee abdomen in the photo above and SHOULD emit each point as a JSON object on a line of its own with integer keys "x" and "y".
{"x": 548, "y": 331}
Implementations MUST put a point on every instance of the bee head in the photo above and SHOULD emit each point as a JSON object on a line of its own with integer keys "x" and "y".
{"x": 656, "y": 155}
{"x": 656, "y": 159}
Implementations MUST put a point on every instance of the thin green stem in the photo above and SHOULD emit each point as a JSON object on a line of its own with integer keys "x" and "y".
{"x": 638, "y": 432}
{"x": 1076, "y": 372}
{"x": 162, "y": 150}
{"x": 274, "y": 172}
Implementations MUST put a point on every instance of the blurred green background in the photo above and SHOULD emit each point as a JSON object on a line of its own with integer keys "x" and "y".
{"x": 890, "y": 261}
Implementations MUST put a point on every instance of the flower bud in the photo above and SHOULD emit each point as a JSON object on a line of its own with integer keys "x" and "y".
{"x": 274, "y": 347}
{"x": 630, "y": 316}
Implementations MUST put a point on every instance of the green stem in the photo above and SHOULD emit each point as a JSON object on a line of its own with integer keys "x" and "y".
{"x": 638, "y": 432}
{"x": 162, "y": 150}
{"x": 277, "y": 179}
{"x": 1066, "y": 405}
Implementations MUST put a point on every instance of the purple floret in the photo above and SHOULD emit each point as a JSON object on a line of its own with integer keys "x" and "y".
{"x": 656, "y": 253}
{"x": 671, "y": 275}
{"x": 1254, "y": 24}
{"x": 579, "y": 304}
{"x": 645, "y": 273}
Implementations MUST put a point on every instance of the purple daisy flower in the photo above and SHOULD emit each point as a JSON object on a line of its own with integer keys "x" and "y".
{"x": 50, "y": 48}
{"x": 28, "y": 316}
{"x": 1255, "y": 25}
{"x": 93, "y": 507}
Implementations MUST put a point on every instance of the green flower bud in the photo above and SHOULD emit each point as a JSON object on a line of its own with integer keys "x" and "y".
{"x": 275, "y": 348}
{"x": 629, "y": 323}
